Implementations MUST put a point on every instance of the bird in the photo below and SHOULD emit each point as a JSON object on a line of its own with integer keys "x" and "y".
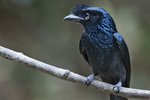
{"x": 102, "y": 47}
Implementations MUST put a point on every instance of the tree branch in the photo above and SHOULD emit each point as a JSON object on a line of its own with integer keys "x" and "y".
{"x": 70, "y": 76}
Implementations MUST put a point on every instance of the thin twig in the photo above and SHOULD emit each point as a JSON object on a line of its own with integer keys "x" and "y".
{"x": 70, "y": 76}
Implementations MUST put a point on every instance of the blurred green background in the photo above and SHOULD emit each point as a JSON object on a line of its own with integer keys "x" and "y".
{"x": 36, "y": 28}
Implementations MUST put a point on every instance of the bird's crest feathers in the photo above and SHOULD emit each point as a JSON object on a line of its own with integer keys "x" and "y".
{"x": 83, "y": 7}
{"x": 78, "y": 8}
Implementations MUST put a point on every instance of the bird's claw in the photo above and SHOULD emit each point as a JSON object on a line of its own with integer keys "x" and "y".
{"x": 117, "y": 87}
{"x": 89, "y": 79}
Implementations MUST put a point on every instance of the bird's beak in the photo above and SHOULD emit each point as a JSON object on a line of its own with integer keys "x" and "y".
{"x": 72, "y": 17}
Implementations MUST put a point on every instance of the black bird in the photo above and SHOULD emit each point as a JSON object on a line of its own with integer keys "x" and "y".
{"x": 102, "y": 47}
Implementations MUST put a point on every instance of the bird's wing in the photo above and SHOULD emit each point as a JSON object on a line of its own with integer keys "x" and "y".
{"x": 82, "y": 51}
{"x": 125, "y": 54}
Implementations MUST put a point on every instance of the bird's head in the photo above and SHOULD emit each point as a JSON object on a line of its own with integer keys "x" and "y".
{"x": 90, "y": 16}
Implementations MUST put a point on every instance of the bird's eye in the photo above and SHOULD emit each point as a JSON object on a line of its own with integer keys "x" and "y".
{"x": 87, "y": 17}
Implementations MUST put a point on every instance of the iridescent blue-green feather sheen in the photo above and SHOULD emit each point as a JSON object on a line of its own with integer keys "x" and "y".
{"x": 99, "y": 37}
{"x": 103, "y": 47}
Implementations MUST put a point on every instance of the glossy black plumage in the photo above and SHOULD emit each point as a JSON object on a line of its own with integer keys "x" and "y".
{"x": 102, "y": 46}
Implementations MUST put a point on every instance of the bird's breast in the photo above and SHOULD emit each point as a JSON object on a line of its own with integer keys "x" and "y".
{"x": 98, "y": 47}
{"x": 99, "y": 41}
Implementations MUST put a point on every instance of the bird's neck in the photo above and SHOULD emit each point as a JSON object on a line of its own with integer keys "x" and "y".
{"x": 105, "y": 26}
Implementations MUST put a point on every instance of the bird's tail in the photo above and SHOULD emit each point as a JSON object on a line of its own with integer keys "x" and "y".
{"x": 114, "y": 97}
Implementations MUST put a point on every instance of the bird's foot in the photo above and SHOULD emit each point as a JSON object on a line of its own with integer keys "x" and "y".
{"x": 117, "y": 87}
{"x": 89, "y": 79}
